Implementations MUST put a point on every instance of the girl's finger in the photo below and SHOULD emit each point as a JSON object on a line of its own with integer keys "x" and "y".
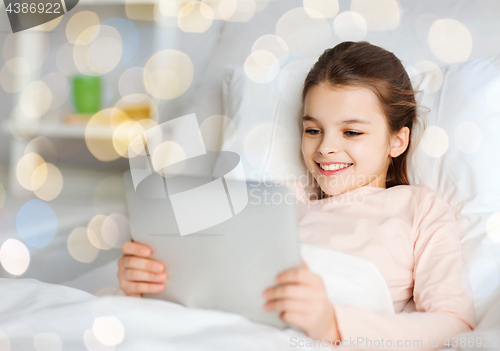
{"x": 131, "y": 288}
{"x": 136, "y": 275}
{"x": 144, "y": 264}
{"x": 290, "y": 305}
{"x": 136, "y": 249}
{"x": 295, "y": 275}
{"x": 295, "y": 291}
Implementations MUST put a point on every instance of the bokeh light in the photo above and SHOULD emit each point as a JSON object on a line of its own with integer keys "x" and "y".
{"x": 36, "y": 223}
{"x": 105, "y": 52}
{"x": 115, "y": 230}
{"x": 484, "y": 277}
{"x": 48, "y": 342}
{"x": 237, "y": 11}
{"x": 468, "y": 137}
{"x": 195, "y": 17}
{"x": 15, "y": 75}
{"x": 108, "y": 330}
{"x": 80, "y": 247}
{"x": 94, "y": 232}
{"x": 379, "y": 14}
{"x": 170, "y": 8}
{"x": 304, "y": 35}
{"x": 493, "y": 227}
{"x": 39, "y": 176}
{"x": 165, "y": 154}
{"x": 432, "y": 77}
{"x": 42, "y": 146}
{"x": 123, "y": 136}
{"x": 450, "y": 40}
{"x": 168, "y": 74}
{"x": 79, "y": 23}
{"x": 273, "y": 44}
{"x": 321, "y": 8}
{"x": 25, "y": 168}
{"x": 261, "y": 66}
{"x": 52, "y": 184}
{"x": 435, "y": 141}
{"x": 214, "y": 128}
{"x": 92, "y": 344}
{"x": 36, "y": 99}
{"x": 219, "y": 8}
{"x": 350, "y": 25}
{"x": 14, "y": 257}
{"x": 99, "y": 131}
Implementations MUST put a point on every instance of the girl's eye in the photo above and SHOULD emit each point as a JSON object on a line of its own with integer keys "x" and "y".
{"x": 353, "y": 133}
{"x": 312, "y": 130}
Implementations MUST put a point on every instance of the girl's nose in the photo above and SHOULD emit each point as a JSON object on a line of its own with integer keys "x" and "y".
{"x": 328, "y": 147}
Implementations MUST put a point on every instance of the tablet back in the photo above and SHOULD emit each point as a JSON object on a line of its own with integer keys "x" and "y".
{"x": 226, "y": 266}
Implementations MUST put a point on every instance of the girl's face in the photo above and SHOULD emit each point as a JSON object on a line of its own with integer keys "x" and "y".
{"x": 344, "y": 127}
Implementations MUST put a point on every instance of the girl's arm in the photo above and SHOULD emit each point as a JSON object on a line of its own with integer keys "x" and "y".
{"x": 443, "y": 306}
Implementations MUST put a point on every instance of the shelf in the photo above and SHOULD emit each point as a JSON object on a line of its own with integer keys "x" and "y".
{"x": 57, "y": 130}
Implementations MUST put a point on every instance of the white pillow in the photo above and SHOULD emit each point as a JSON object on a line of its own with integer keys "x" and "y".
{"x": 267, "y": 120}
{"x": 458, "y": 157}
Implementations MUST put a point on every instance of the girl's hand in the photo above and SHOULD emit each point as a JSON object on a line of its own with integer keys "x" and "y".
{"x": 301, "y": 297}
{"x": 138, "y": 274}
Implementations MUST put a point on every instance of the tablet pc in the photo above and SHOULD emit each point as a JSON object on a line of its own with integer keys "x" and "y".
{"x": 226, "y": 266}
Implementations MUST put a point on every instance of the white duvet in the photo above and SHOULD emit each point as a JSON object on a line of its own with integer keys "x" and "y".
{"x": 40, "y": 316}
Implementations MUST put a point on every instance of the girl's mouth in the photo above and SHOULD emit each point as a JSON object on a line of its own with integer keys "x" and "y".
{"x": 325, "y": 172}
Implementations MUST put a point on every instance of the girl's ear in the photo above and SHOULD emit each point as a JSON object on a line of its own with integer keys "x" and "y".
{"x": 399, "y": 142}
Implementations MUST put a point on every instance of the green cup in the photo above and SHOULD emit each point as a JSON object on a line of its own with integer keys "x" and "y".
{"x": 87, "y": 94}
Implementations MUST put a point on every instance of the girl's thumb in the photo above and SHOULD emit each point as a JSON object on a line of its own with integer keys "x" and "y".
{"x": 304, "y": 264}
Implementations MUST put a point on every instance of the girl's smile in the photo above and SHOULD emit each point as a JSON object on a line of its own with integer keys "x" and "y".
{"x": 332, "y": 168}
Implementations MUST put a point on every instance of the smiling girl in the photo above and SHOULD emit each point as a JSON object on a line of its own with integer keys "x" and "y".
{"x": 359, "y": 112}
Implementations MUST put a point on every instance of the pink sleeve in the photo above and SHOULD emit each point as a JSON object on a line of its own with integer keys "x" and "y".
{"x": 443, "y": 308}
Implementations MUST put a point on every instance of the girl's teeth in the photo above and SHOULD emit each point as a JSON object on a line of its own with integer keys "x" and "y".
{"x": 334, "y": 167}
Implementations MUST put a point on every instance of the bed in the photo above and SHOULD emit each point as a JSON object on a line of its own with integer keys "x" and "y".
{"x": 65, "y": 300}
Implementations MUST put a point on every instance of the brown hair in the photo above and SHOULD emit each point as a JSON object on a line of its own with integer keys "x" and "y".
{"x": 363, "y": 64}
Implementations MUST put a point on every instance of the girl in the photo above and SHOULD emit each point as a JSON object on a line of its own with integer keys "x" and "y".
{"x": 359, "y": 111}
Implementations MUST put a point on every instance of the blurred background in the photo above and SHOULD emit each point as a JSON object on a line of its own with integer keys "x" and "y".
{"x": 75, "y": 91}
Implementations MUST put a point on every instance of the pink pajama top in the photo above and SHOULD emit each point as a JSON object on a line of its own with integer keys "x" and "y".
{"x": 411, "y": 234}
